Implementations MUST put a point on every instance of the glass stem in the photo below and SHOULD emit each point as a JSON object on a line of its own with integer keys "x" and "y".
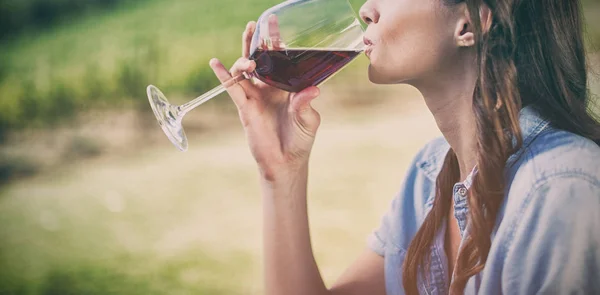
{"x": 185, "y": 108}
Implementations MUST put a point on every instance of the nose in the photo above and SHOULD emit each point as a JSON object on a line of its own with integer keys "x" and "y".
{"x": 368, "y": 13}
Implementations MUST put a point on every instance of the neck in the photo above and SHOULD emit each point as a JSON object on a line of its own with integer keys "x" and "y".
{"x": 449, "y": 97}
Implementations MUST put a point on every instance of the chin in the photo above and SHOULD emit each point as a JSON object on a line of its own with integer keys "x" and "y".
{"x": 378, "y": 77}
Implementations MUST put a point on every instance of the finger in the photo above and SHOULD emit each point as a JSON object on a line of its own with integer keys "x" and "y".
{"x": 300, "y": 106}
{"x": 241, "y": 67}
{"x": 236, "y": 91}
{"x": 275, "y": 33}
{"x": 301, "y": 100}
{"x": 247, "y": 39}
{"x": 263, "y": 45}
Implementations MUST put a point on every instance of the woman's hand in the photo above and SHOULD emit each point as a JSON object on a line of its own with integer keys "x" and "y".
{"x": 280, "y": 126}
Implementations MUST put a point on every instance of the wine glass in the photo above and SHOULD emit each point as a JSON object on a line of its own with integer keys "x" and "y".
{"x": 296, "y": 44}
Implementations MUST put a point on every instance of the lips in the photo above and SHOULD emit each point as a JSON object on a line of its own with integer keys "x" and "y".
{"x": 368, "y": 46}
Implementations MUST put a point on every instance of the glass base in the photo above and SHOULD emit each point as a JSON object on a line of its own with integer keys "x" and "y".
{"x": 168, "y": 117}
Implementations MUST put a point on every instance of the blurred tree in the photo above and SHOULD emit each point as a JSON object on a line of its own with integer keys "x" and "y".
{"x": 17, "y": 16}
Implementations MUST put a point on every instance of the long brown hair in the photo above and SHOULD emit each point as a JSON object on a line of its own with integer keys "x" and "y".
{"x": 533, "y": 54}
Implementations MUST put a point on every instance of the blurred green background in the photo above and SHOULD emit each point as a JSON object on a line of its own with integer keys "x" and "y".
{"x": 94, "y": 199}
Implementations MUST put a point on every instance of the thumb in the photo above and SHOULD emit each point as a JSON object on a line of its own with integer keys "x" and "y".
{"x": 301, "y": 101}
{"x": 300, "y": 106}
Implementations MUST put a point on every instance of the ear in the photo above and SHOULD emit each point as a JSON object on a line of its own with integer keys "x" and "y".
{"x": 485, "y": 15}
{"x": 464, "y": 33}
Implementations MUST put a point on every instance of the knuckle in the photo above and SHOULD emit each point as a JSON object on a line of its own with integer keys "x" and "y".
{"x": 237, "y": 66}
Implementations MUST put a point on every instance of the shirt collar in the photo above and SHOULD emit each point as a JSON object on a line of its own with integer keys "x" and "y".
{"x": 531, "y": 122}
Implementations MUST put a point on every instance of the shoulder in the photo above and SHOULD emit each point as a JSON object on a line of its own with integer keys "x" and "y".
{"x": 558, "y": 151}
{"x": 551, "y": 226}
{"x": 554, "y": 188}
{"x": 555, "y": 157}
{"x": 551, "y": 243}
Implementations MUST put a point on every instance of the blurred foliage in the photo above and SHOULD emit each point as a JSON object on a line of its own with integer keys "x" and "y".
{"x": 17, "y": 16}
{"x": 81, "y": 147}
{"x": 12, "y": 167}
{"x": 107, "y": 57}
{"x": 69, "y": 56}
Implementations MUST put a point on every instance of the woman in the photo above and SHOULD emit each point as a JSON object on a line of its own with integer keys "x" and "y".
{"x": 507, "y": 202}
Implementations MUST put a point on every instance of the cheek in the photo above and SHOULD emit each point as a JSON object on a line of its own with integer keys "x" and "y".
{"x": 411, "y": 44}
{"x": 397, "y": 59}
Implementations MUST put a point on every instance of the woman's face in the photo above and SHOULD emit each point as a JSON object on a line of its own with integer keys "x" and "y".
{"x": 409, "y": 40}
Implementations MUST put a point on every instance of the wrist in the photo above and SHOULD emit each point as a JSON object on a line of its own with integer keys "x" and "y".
{"x": 284, "y": 176}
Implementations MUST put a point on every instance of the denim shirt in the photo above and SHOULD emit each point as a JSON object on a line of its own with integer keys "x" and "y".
{"x": 547, "y": 234}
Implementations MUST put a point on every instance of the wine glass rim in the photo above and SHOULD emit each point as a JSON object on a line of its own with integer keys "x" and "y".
{"x": 288, "y": 2}
{"x": 351, "y": 14}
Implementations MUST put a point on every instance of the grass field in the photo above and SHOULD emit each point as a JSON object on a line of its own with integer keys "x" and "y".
{"x": 164, "y": 222}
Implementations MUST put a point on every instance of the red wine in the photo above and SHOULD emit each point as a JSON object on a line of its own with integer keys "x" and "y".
{"x": 295, "y": 69}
